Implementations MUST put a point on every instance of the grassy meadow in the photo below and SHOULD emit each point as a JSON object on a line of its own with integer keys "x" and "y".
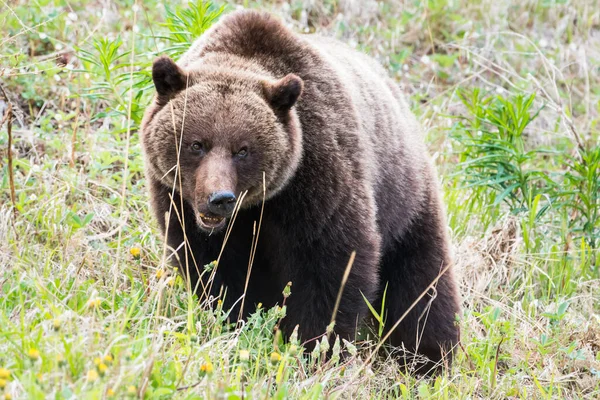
{"x": 508, "y": 93}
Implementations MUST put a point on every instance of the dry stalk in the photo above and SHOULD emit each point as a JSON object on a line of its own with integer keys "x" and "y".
{"x": 341, "y": 290}
{"x": 11, "y": 178}
{"x": 254, "y": 246}
{"x": 74, "y": 136}
{"x": 496, "y": 363}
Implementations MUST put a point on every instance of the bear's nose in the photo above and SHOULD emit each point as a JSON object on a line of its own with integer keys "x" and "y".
{"x": 221, "y": 203}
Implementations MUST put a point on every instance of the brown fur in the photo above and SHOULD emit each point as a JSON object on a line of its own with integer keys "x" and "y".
{"x": 345, "y": 168}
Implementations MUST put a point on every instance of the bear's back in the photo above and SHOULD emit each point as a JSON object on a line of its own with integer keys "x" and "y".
{"x": 397, "y": 160}
{"x": 367, "y": 118}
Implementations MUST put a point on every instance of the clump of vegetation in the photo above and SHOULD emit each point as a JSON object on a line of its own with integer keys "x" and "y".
{"x": 90, "y": 308}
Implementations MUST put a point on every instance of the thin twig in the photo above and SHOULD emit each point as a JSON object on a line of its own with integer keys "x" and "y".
{"x": 471, "y": 365}
{"x": 11, "y": 179}
{"x": 74, "y": 135}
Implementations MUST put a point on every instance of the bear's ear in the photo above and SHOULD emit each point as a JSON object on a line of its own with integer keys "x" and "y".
{"x": 284, "y": 93}
{"x": 168, "y": 77}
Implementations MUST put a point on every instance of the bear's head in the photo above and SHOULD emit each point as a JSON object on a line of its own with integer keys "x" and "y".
{"x": 218, "y": 136}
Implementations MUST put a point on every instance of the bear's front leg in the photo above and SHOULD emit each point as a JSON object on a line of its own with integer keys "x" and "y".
{"x": 188, "y": 249}
{"x": 316, "y": 282}
{"x": 426, "y": 317}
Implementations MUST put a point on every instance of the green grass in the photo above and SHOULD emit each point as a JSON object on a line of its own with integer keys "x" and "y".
{"x": 509, "y": 95}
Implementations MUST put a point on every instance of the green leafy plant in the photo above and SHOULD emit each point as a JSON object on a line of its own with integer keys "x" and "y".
{"x": 122, "y": 78}
{"x": 494, "y": 154}
{"x": 581, "y": 193}
{"x": 187, "y": 24}
{"x": 380, "y": 315}
{"x": 77, "y": 222}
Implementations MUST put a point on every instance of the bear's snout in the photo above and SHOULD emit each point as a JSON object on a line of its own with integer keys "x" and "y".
{"x": 221, "y": 203}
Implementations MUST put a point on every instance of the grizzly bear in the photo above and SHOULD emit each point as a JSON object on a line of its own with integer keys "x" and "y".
{"x": 279, "y": 155}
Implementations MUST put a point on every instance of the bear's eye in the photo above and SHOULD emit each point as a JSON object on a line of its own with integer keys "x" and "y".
{"x": 243, "y": 152}
{"x": 197, "y": 147}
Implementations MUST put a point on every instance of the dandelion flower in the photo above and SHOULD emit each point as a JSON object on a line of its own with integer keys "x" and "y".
{"x": 110, "y": 393}
{"x": 160, "y": 273}
{"x": 244, "y": 355}
{"x": 206, "y": 368}
{"x": 275, "y": 357}
{"x": 132, "y": 390}
{"x": 135, "y": 252}
{"x": 108, "y": 358}
{"x": 4, "y": 373}
{"x": 92, "y": 375}
{"x": 2, "y": 383}
{"x": 56, "y": 324}
{"x": 102, "y": 368}
{"x": 33, "y": 354}
{"x": 97, "y": 361}
{"x": 7, "y": 396}
{"x": 94, "y": 303}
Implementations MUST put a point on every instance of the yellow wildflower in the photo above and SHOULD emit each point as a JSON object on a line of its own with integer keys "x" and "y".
{"x": 110, "y": 393}
{"x": 160, "y": 273}
{"x": 108, "y": 358}
{"x": 244, "y": 355}
{"x": 131, "y": 390}
{"x": 275, "y": 357}
{"x": 56, "y": 324}
{"x": 97, "y": 361}
{"x": 135, "y": 252}
{"x": 33, "y": 354}
{"x": 92, "y": 375}
{"x": 206, "y": 368}
{"x": 102, "y": 368}
{"x": 2, "y": 383}
{"x": 94, "y": 303}
{"x": 4, "y": 373}
{"x": 7, "y": 396}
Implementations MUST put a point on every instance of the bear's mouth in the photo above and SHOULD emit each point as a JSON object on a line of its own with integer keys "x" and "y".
{"x": 211, "y": 222}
